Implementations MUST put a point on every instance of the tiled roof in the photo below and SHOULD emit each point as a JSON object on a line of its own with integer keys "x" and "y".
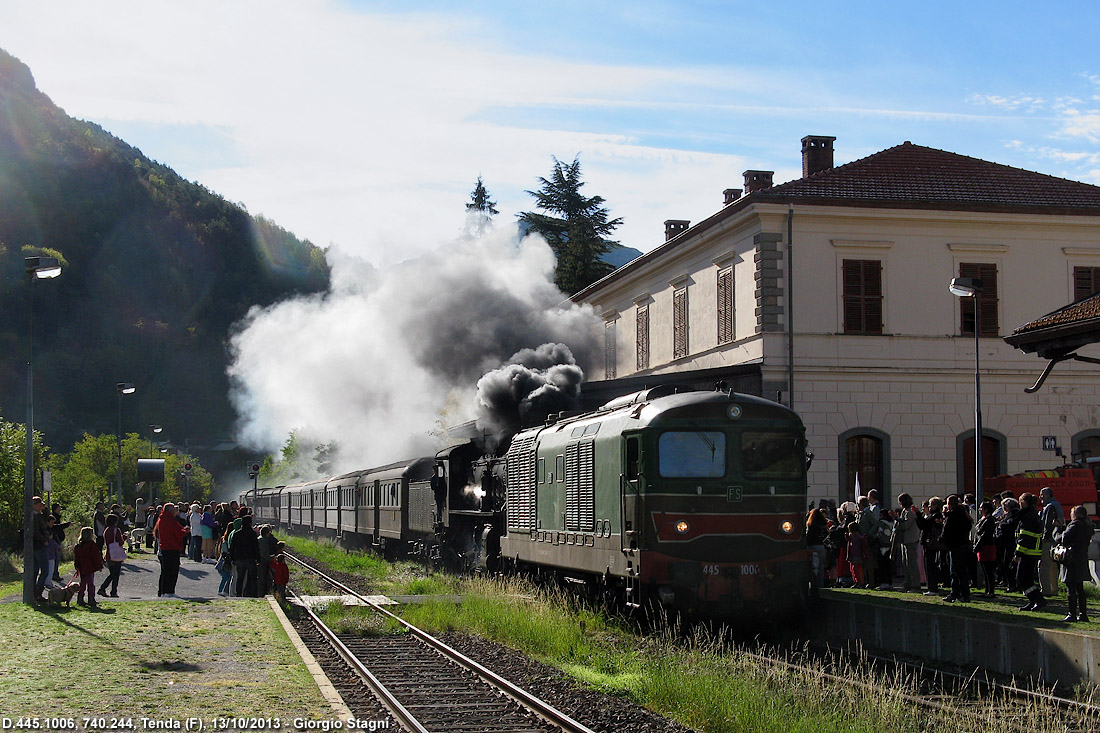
{"x": 1061, "y": 331}
{"x": 906, "y": 176}
{"x": 915, "y": 176}
{"x": 1083, "y": 310}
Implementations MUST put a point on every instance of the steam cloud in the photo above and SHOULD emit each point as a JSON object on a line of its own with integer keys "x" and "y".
{"x": 386, "y": 356}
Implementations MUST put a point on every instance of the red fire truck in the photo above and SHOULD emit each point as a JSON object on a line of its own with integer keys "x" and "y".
{"x": 1072, "y": 484}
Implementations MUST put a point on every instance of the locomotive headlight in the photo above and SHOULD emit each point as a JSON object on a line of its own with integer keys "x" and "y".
{"x": 733, "y": 411}
{"x": 682, "y": 527}
{"x": 787, "y": 527}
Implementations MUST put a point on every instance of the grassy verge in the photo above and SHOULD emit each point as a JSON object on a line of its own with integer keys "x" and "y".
{"x": 11, "y": 574}
{"x": 403, "y": 578}
{"x": 161, "y": 660}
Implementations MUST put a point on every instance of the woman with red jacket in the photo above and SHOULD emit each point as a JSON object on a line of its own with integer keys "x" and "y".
{"x": 169, "y": 533}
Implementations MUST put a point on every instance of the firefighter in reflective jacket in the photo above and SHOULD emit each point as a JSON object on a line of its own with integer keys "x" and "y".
{"x": 1029, "y": 536}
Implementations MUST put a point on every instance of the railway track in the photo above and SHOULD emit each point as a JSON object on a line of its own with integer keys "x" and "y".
{"x": 427, "y": 686}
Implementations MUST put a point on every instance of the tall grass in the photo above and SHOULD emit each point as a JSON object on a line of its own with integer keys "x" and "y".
{"x": 402, "y": 578}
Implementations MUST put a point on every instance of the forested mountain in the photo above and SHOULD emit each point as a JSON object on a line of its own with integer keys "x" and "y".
{"x": 156, "y": 269}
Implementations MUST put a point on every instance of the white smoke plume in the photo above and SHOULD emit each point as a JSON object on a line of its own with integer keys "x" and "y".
{"x": 386, "y": 356}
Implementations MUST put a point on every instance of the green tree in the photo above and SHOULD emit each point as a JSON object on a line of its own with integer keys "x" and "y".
{"x": 13, "y": 449}
{"x": 300, "y": 462}
{"x": 88, "y": 474}
{"x": 480, "y": 210}
{"x": 575, "y": 226}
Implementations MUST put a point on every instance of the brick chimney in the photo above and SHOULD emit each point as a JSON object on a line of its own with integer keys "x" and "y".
{"x": 817, "y": 154}
{"x": 731, "y": 195}
{"x": 674, "y": 227}
{"x": 757, "y": 181}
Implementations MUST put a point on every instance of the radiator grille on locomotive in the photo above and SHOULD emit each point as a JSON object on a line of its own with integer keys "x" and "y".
{"x": 520, "y": 467}
{"x": 580, "y": 486}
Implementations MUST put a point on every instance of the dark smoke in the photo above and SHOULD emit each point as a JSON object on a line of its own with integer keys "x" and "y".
{"x": 532, "y": 385}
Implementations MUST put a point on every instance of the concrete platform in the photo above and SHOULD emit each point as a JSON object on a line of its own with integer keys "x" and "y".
{"x": 967, "y": 637}
{"x": 141, "y": 576}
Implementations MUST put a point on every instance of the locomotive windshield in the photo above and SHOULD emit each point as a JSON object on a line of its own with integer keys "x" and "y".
{"x": 772, "y": 454}
{"x": 692, "y": 454}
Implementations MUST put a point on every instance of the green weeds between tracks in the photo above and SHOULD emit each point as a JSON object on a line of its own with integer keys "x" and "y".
{"x": 695, "y": 678}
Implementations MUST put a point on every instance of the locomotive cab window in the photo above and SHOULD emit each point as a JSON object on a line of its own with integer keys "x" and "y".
{"x": 542, "y": 470}
{"x": 692, "y": 454}
{"x": 559, "y": 468}
{"x": 772, "y": 454}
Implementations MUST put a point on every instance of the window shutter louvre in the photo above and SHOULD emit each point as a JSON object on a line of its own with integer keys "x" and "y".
{"x": 725, "y": 306}
{"x": 609, "y": 354}
{"x": 1085, "y": 280}
{"x": 643, "y": 337}
{"x": 862, "y": 284}
{"x": 679, "y": 324}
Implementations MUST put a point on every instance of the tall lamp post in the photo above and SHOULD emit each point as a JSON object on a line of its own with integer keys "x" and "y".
{"x": 37, "y": 268}
{"x": 155, "y": 430}
{"x": 971, "y": 287}
{"x": 122, "y": 388}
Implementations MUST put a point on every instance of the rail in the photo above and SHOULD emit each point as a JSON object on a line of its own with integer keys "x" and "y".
{"x": 536, "y": 705}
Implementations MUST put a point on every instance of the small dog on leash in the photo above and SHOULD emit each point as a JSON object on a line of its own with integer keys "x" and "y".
{"x": 62, "y": 595}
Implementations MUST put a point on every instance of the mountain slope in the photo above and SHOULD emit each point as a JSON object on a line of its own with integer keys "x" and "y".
{"x": 156, "y": 270}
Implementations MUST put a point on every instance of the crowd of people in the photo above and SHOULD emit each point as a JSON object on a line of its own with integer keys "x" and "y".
{"x": 250, "y": 560}
{"x": 1020, "y": 545}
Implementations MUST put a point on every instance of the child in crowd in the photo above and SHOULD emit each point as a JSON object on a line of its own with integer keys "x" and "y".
{"x": 280, "y": 576}
{"x": 857, "y": 553}
{"x": 88, "y": 563}
{"x": 53, "y": 553}
{"x": 225, "y": 569}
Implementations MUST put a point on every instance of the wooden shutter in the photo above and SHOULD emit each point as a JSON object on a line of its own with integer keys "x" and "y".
{"x": 680, "y": 323}
{"x": 725, "y": 306}
{"x": 643, "y": 337}
{"x": 609, "y": 353}
{"x": 1086, "y": 282}
{"x": 862, "y": 294}
{"x": 987, "y": 300}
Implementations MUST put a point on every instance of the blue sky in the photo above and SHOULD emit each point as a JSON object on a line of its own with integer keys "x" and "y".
{"x": 365, "y": 124}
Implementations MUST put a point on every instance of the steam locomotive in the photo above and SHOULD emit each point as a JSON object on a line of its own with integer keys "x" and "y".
{"x": 693, "y": 500}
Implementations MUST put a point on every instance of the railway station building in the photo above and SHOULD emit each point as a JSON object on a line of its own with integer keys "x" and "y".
{"x": 829, "y": 293}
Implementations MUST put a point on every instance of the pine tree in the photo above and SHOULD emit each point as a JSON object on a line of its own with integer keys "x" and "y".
{"x": 480, "y": 211}
{"x": 575, "y": 226}
{"x": 480, "y": 201}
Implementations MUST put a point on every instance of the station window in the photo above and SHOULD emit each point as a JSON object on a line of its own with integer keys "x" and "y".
{"x": 987, "y": 300}
{"x": 862, "y": 296}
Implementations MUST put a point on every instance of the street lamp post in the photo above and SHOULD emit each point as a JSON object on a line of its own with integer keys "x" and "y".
{"x": 37, "y": 268}
{"x": 971, "y": 287}
{"x": 122, "y": 388}
{"x": 155, "y": 430}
